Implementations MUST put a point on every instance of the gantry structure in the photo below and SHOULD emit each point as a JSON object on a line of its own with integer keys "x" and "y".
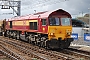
{"x": 13, "y": 4}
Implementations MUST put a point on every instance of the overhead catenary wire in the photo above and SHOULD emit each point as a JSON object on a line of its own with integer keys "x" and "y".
{"x": 41, "y": 3}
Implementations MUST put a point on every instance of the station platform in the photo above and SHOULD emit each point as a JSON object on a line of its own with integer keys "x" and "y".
{"x": 80, "y": 47}
{"x": 81, "y": 44}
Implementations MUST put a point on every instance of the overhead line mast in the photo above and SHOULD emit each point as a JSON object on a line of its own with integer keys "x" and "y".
{"x": 7, "y": 4}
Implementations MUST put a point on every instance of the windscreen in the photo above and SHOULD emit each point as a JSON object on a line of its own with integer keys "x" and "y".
{"x": 54, "y": 21}
{"x": 65, "y": 21}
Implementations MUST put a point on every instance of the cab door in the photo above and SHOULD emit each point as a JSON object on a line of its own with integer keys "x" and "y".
{"x": 10, "y": 24}
{"x": 44, "y": 25}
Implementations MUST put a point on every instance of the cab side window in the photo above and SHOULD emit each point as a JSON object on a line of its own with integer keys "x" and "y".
{"x": 33, "y": 25}
{"x": 43, "y": 22}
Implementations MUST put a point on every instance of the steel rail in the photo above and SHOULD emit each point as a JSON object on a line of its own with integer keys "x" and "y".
{"x": 48, "y": 53}
{"x": 15, "y": 55}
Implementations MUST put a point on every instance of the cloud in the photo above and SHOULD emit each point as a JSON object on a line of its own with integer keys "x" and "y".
{"x": 74, "y": 7}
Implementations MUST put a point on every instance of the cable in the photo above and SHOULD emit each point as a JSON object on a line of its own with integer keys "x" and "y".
{"x": 42, "y": 3}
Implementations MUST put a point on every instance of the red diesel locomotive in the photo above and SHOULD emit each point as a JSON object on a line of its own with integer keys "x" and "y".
{"x": 50, "y": 29}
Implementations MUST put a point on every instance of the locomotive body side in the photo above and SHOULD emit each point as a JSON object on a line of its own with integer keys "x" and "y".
{"x": 47, "y": 29}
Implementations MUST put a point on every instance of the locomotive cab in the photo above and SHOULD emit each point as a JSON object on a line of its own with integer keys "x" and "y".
{"x": 59, "y": 30}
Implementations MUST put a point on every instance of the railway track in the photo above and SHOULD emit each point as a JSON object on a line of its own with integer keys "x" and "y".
{"x": 9, "y": 53}
{"x": 43, "y": 54}
{"x": 3, "y": 55}
{"x": 82, "y": 55}
{"x": 11, "y": 49}
{"x": 39, "y": 53}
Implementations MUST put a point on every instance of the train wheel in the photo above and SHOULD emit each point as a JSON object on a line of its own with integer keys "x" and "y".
{"x": 18, "y": 36}
{"x": 14, "y": 34}
{"x": 42, "y": 42}
{"x": 38, "y": 43}
{"x": 9, "y": 35}
{"x": 26, "y": 37}
{"x": 36, "y": 40}
{"x": 5, "y": 34}
{"x": 47, "y": 45}
{"x": 33, "y": 39}
{"x": 29, "y": 39}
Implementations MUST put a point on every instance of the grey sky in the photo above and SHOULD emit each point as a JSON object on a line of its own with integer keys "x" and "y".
{"x": 74, "y": 7}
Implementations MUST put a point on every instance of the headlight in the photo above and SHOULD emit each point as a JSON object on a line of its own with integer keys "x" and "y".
{"x": 69, "y": 33}
{"x": 51, "y": 33}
